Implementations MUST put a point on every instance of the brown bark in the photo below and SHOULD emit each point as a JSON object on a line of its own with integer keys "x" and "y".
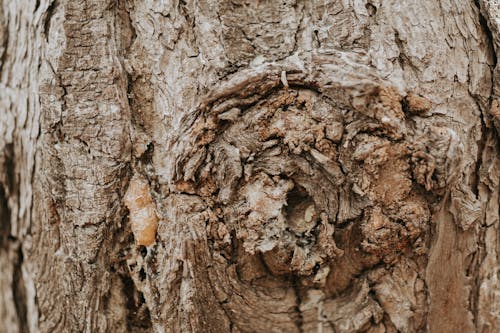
{"x": 249, "y": 166}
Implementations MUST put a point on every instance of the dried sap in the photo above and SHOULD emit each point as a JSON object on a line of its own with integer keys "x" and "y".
{"x": 142, "y": 210}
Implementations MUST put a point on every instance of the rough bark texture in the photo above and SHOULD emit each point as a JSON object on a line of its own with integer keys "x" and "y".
{"x": 249, "y": 166}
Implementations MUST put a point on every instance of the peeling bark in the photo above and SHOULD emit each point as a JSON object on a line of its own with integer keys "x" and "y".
{"x": 249, "y": 166}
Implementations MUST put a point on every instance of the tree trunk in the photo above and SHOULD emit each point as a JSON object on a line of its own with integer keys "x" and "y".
{"x": 249, "y": 166}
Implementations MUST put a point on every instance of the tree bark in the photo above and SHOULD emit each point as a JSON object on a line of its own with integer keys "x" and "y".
{"x": 249, "y": 166}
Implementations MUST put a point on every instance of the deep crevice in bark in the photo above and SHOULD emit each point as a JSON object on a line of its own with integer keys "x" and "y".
{"x": 480, "y": 254}
{"x": 299, "y": 320}
{"x": 48, "y": 16}
{"x": 4, "y": 218}
{"x": 138, "y": 316}
{"x": 484, "y": 24}
{"x": 19, "y": 293}
{"x": 7, "y": 189}
{"x": 10, "y": 169}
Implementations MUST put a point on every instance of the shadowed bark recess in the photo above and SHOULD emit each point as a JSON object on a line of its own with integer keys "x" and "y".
{"x": 249, "y": 166}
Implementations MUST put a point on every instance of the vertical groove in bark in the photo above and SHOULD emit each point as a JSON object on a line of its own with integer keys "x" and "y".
{"x": 138, "y": 316}
{"x": 487, "y": 277}
{"x": 4, "y": 219}
{"x": 19, "y": 293}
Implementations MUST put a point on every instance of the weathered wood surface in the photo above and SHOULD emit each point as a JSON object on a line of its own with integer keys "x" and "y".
{"x": 314, "y": 166}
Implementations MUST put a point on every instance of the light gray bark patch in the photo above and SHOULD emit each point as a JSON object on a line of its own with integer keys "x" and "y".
{"x": 85, "y": 128}
{"x": 258, "y": 29}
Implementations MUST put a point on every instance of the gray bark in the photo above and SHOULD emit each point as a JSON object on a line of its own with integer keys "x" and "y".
{"x": 249, "y": 166}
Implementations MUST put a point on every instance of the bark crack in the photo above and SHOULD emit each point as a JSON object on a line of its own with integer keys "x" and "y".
{"x": 4, "y": 218}
{"x": 478, "y": 257}
{"x": 138, "y": 315}
{"x": 48, "y": 15}
{"x": 7, "y": 188}
{"x": 299, "y": 320}
{"x": 484, "y": 24}
{"x": 19, "y": 292}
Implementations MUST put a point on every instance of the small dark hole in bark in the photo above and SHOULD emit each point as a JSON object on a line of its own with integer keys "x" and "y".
{"x": 142, "y": 274}
{"x": 130, "y": 237}
{"x": 400, "y": 222}
{"x": 147, "y": 156}
{"x": 295, "y": 197}
{"x": 404, "y": 105}
{"x": 143, "y": 250}
{"x": 372, "y": 10}
{"x": 142, "y": 300}
{"x": 223, "y": 125}
{"x": 300, "y": 210}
